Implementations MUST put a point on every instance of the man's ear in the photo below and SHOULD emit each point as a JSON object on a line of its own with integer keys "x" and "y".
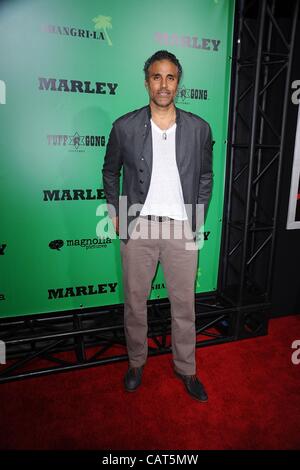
{"x": 146, "y": 84}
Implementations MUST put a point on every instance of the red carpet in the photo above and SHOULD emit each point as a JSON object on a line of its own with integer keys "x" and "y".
{"x": 253, "y": 390}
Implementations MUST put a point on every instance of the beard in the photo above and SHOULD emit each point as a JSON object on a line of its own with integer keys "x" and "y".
{"x": 163, "y": 102}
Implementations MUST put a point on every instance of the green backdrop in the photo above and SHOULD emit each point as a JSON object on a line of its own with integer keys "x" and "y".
{"x": 68, "y": 69}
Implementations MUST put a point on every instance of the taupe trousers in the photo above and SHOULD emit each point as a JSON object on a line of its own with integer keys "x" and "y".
{"x": 172, "y": 244}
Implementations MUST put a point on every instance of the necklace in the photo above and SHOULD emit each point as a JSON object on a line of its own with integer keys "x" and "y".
{"x": 170, "y": 124}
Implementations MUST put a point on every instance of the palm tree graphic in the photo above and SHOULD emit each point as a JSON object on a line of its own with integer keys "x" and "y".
{"x": 103, "y": 22}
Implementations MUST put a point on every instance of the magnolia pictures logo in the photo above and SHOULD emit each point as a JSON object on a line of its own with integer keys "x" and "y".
{"x": 87, "y": 243}
{"x": 101, "y": 25}
{"x": 76, "y": 142}
{"x": 2, "y": 92}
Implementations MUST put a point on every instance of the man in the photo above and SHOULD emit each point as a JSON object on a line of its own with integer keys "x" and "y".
{"x": 166, "y": 155}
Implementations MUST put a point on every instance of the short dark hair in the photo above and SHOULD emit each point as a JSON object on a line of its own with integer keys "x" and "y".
{"x": 162, "y": 55}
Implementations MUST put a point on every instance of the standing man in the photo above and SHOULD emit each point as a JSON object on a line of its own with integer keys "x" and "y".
{"x": 166, "y": 155}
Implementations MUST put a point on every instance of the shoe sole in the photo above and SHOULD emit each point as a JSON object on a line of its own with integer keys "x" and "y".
{"x": 192, "y": 396}
{"x": 131, "y": 390}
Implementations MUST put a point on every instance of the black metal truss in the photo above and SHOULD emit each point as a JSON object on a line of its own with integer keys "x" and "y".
{"x": 261, "y": 78}
{"x": 42, "y": 344}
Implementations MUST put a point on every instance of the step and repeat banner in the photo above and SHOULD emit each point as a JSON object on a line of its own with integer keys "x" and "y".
{"x": 67, "y": 71}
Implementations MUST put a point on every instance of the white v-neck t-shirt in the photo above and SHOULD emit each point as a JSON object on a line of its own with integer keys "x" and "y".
{"x": 165, "y": 196}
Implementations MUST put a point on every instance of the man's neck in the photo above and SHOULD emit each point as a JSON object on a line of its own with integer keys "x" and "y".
{"x": 162, "y": 113}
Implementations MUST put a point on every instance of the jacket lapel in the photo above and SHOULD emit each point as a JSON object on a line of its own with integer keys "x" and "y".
{"x": 146, "y": 151}
{"x": 179, "y": 141}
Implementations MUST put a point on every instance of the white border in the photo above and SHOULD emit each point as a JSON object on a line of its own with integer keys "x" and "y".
{"x": 291, "y": 222}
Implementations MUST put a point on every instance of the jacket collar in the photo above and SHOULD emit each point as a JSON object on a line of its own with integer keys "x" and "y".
{"x": 176, "y": 109}
{"x": 147, "y": 143}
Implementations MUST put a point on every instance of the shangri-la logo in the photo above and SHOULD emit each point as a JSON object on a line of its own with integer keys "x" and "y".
{"x": 103, "y": 23}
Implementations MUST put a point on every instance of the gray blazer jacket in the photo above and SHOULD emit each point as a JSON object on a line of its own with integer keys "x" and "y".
{"x": 130, "y": 147}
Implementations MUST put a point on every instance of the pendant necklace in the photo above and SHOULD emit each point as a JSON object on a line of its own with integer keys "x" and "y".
{"x": 164, "y": 134}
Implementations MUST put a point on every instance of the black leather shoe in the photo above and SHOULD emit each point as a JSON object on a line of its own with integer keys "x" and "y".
{"x": 133, "y": 378}
{"x": 194, "y": 387}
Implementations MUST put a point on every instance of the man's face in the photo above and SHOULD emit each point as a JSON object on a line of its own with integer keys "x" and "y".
{"x": 162, "y": 82}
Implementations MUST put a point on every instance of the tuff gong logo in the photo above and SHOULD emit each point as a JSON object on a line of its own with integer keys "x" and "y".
{"x": 184, "y": 95}
{"x": 2, "y": 248}
{"x": 76, "y": 141}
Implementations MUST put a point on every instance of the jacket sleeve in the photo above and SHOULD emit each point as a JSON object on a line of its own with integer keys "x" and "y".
{"x": 206, "y": 177}
{"x": 111, "y": 172}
